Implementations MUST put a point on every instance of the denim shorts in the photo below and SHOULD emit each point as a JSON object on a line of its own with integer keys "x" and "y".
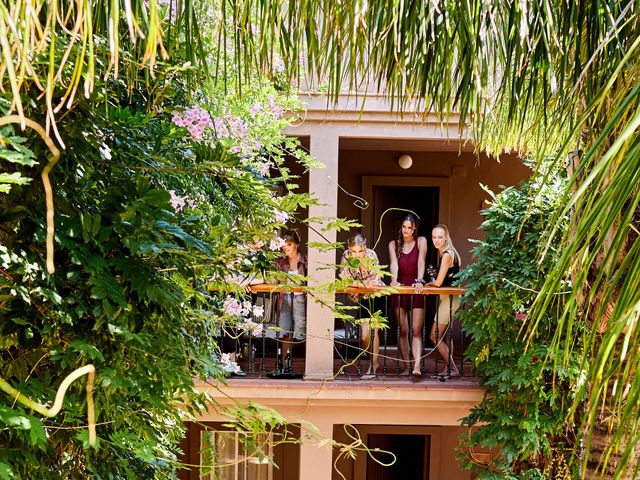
{"x": 293, "y": 315}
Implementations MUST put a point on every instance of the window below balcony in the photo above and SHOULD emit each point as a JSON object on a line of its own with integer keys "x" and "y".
{"x": 226, "y": 455}
{"x": 213, "y": 451}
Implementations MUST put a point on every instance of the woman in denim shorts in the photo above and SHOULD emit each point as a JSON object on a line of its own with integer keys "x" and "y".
{"x": 292, "y": 312}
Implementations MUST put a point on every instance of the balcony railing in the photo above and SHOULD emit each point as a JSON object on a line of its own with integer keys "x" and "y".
{"x": 259, "y": 347}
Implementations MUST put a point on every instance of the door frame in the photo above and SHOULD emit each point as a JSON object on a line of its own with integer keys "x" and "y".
{"x": 360, "y": 467}
{"x": 369, "y": 182}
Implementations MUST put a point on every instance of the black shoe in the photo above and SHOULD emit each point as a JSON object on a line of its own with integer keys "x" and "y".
{"x": 287, "y": 363}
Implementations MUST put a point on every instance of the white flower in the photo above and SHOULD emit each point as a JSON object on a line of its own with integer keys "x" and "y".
{"x": 105, "y": 152}
{"x": 31, "y": 267}
{"x": 255, "y": 108}
{"x": 246, "y": 308}
{"x": 258, "y": 311}
{"x": 264, "y": 168}
{"x": 225, "y": 359}
{"x": 255, "y": 328}
{"x": 257, "y": 331}
{"x": 276, "y": 244}
{"x": 232, "y": 307}
{"x": 281, "y": 217}
{"x": 176, "y": 201}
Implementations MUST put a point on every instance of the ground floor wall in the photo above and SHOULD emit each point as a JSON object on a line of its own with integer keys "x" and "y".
{"x": 382, "y": 413}
{"x": 420, "y": 452}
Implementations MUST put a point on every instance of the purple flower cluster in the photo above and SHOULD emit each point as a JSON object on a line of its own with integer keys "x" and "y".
{"x": 230, "y": 366}
{"x": 178, "y": 202}
{"x": 257, "y": 107}
{"x": 276, "y": 110}
{"x": 264, "y": 168}
{"x": 233, "y": 130}
{"x": 236, "y": 130}
{"x": 255, "y": 328}
{"x": 235, "y": 308}
{"x": 276, "y": 243}
{"x": 281, "y": 217}
{"x": 195, "y": 119}
{"x": 278, "y": 65}
{"x": 232, "y": 307}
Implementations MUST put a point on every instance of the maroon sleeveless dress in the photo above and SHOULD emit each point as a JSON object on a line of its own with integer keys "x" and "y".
{"x": 407, "y": 273}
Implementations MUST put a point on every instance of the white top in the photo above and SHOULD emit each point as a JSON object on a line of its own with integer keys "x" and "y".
{"x": 295, "y": 272}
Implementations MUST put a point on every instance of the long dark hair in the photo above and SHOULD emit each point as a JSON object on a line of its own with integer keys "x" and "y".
{"x": 414, "y": 222}
{"x": 292, "y": 235}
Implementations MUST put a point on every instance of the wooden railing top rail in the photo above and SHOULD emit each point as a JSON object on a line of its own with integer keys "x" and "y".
{"x": 268, "y": 288}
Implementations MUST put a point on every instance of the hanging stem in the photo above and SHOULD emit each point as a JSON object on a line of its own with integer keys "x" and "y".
{"x": 55, "y": 156}
{"x": 88, "y": 370}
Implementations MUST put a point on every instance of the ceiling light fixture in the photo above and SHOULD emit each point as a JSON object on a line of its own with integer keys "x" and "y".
{"x": 405, "y": 161}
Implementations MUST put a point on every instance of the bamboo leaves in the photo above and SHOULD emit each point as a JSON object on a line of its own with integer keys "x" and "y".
{"x": 50, "y": 45}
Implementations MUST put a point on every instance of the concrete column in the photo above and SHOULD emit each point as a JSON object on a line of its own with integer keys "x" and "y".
{"x": 316, "y": 453}
{"x": 323, "y": 185}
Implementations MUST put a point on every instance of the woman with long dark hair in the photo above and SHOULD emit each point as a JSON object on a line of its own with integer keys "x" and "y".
{"x": 407, "y": 259}
{"x": 292, "y": 311}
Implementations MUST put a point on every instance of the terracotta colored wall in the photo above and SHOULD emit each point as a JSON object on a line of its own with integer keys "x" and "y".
{"x": 466, "y": 195}
{"x": 449, "y": 442}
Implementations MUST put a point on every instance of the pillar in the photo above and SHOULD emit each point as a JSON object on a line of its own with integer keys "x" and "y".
{"x": 323, "y": 185}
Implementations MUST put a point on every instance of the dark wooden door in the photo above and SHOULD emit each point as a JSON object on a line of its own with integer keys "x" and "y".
{"x": 390, "y": 205}
{"x": 411, "y": 452}
{"x": 424, "y": 201}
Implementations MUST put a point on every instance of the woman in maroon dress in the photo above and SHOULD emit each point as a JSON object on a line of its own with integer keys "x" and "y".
{"x": 407, "y": 256}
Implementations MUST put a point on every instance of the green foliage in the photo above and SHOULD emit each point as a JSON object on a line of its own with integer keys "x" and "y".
{"x": 13, "y": 151}
{"x": 522, "y": 415}
{"x": 147, "y": 219}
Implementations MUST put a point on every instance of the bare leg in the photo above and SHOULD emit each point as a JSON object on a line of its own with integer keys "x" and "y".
{"x": 286, "y": 348}
{"x": 403, "y": 325}
{"x": 443, "y": 349}
{"x": 416, "y": 340}
{"x": 367, "y": 345}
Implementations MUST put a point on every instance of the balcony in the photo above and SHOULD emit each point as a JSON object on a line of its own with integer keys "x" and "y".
{"x": 258, "y": 348}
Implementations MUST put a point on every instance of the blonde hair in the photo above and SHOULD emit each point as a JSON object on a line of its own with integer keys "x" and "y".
{"x": 448, "y": 246}
{"x": 357, "y": 240}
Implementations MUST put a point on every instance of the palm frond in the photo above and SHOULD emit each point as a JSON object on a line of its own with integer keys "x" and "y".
{"x": 50, "y": 45}
{"x": 538, "y": 77}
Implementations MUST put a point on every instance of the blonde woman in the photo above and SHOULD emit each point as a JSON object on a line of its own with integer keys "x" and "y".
{"x": 449, "y": 265}
{"x": 364, "y": 276}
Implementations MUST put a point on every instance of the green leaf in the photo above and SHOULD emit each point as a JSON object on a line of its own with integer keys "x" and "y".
{"x": 21, "y": 155}
{"x": 188, "y": 239}
{"x": 15, "y": 178}
{"x": 6, "y": 472}
{"x": 156, "y": 198}
{"x": 89, "y": 350}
